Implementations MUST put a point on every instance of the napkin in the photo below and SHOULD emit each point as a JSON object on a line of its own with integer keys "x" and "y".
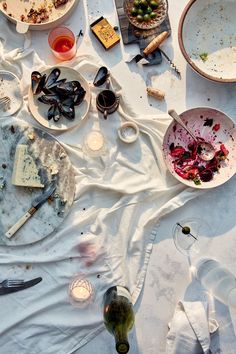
{"x": 191, "y": 327}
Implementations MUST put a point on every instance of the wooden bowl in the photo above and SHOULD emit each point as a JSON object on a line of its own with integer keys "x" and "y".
{"x": 207, "y": 38}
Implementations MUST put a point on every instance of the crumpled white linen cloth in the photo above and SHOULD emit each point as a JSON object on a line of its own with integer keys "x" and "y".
{"x": 108, "y": 234}
{"x": 191, "y": 328}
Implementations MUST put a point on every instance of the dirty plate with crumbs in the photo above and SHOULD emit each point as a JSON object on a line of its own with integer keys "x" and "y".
{"x": 10, "y": 87}
{"x": 207, "y": 38}
{"x": 38, "y": 14}
{"x": 30, "y": 159}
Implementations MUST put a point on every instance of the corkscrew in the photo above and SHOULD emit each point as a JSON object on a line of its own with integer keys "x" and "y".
{"x": 172, "y": 65}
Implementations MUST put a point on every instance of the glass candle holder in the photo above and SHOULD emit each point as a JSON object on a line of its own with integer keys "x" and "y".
{"x": 62, "y": 43}
{"x": 80, "y": 291}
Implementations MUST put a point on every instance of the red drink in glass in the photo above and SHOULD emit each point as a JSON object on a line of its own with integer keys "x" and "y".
{"x": 62, "y": 43}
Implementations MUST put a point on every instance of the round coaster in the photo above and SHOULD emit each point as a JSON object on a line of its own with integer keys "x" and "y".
{"x": 10, "y": 87}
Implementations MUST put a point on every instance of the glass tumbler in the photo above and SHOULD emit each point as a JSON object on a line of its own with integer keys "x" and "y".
{"x": 62, "y": 43}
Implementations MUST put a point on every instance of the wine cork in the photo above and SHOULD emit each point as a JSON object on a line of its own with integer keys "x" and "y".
{"x": 154, "y": 44}
{"x": 154, "y": 92}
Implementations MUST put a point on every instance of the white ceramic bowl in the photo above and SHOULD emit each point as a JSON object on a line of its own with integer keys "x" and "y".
{"x": 128, "y": 132}
{"x": 207, "y": 38}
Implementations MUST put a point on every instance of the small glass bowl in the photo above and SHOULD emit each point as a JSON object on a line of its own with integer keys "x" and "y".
{"x": 161, "y": 13}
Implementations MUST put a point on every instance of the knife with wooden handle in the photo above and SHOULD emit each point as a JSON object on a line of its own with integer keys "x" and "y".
{"x": 36, "y": 204}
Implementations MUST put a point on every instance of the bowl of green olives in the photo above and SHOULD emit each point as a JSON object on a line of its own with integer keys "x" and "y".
{"x": 146, "y": 14}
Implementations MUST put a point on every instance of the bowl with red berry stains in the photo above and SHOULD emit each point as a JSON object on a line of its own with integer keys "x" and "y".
{"x": 182, "y": 157}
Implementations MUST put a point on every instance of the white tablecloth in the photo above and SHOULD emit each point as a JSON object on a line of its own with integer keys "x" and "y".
{"x": 45, "y": 320}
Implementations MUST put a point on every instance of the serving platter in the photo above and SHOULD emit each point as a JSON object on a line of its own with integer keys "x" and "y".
{"x": 53, "y": 163}
{"x": 207, "y": 38}
{"x": 18, "y": 14}
{"x": 39, "y": 109}
{"x": 214, "y": 127}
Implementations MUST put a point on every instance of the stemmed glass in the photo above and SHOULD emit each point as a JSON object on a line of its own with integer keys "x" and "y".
{"x": 192, "y": 237}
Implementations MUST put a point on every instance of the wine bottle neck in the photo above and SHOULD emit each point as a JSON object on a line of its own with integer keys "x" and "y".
{"x": 121, "y": 338}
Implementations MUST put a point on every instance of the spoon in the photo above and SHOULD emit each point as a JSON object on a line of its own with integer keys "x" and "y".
{"x": 205, "y": 150}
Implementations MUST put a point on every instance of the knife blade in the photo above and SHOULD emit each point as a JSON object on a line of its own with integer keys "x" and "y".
{"x": 25, "y": 285}
{"x": 35, "y": 205}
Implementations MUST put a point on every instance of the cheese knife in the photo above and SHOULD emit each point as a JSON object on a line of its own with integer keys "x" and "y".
{"x": 24, "y": 285}
{"x": 36, "y": 204}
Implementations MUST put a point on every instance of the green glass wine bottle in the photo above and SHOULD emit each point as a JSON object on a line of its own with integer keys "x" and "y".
{"x": 118, "y": 316}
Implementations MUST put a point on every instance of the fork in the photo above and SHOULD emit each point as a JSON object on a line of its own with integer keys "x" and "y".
{"x": 10, "y": 283}
{"x": 4, "y": 102}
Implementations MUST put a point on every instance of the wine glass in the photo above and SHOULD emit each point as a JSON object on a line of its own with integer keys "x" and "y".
{"x": 192, "y": 237}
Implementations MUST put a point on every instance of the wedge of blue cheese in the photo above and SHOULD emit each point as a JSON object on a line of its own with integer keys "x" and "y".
{"x": 25, "y": 171}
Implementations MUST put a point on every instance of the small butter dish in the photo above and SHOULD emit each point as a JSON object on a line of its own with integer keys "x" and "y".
{"x": 128, "y": 132}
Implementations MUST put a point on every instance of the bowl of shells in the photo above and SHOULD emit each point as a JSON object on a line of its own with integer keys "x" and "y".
{"x": 146, "y": 14}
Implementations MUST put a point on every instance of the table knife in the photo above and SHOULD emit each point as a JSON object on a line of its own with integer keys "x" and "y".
{"x": 36, "y": 204}
{"x": 25, "y": 285}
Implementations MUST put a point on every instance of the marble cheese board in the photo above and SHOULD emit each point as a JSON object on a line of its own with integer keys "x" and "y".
{"x": 52, "y": 163}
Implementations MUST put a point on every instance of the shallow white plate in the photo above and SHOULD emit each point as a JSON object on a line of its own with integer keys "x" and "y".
{"x": 56, "y": 16}
{"x": 39, "y": 109}
{"x": 10, "y": 87}
{"x": 207, "y": 38}
{"x": 196, "y": 120}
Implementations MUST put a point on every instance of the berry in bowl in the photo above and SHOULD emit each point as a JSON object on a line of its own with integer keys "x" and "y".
{"x": 146, "y": 14}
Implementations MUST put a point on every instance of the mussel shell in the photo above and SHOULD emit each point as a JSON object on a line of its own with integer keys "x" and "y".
{"x": 54, "y": 113}
{"x": 67, "y": 111}
{"x": 101, "y": 76}
{"x": 52, "y": 87}
{"x": 78, "y": 99}
{"x": 52, "y": 77}
{"x": 68, "y": 101}
{"x": 68, "y": 88}
{"x": 37, "y": 82}
{"x": 49, "y": 99}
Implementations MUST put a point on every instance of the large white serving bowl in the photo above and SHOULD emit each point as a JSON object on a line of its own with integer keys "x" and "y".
{"x": 207, "y": 38}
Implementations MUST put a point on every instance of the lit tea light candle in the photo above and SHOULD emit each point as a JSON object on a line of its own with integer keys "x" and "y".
{"x": 95, "y": 141}
{"x": 94, "y": 144}
{"x": 80, "y": 291}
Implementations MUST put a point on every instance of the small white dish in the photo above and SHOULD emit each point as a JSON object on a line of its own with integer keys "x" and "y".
{"x": 128, "y": 132}
{"x": 10, "y": 87}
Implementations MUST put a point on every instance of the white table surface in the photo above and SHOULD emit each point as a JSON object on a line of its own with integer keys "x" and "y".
{"x": 167, "y": 275}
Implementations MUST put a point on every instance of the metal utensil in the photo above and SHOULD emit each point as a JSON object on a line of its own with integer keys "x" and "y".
{"x": 8, "y": 283}
{"x": 4, "y": 102}
{"x": 8, "y": 287}
{"x": 205, "y": 150}
{"x": 36, "y": 204}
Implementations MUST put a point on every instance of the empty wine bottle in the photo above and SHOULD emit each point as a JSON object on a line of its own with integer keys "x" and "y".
{"x": 118, "y": 316}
